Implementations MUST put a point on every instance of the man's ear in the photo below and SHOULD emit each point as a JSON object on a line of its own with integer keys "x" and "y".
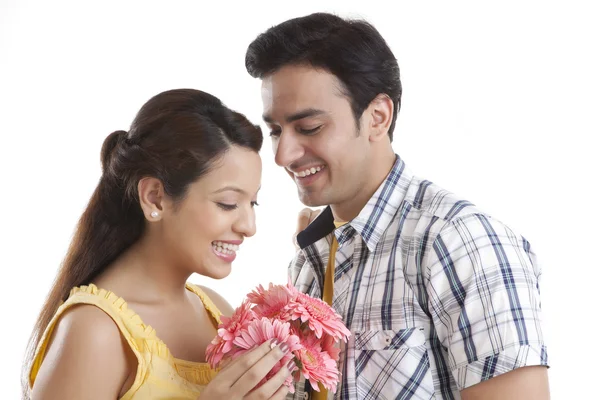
{"x": 381, "y": 113}
{"x": 152, "y": 198}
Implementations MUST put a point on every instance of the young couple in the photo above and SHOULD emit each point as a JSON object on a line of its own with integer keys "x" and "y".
{"x": 442, "y": 299}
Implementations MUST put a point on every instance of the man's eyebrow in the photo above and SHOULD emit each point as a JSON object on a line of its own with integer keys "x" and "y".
{"x": 309, "y": 112}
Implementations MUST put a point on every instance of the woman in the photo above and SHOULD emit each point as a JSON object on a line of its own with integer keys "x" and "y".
{"x": 176, "y": 197}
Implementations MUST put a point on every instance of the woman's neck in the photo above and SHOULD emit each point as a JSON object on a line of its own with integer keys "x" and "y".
{"x": 146, "y": 274}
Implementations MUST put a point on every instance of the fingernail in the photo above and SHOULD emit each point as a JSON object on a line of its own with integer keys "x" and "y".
{"x": 291, "y": 365}
{"x": 284, "y": 347}
{"x": 274, "y": 343}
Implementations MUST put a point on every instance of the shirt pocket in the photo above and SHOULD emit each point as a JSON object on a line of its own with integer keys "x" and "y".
{"x": 389, "y": 339}
{"x": 392, "y": 364}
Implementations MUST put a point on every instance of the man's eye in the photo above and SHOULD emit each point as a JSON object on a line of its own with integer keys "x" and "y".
{"x": 227, "y": 207}
{"x": 275, "y": 132}
{"x": 309, "y": 131}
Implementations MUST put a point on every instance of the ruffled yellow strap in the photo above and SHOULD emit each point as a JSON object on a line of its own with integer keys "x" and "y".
{"x": 142, "y": 338}
{"x": 212, "y": 309}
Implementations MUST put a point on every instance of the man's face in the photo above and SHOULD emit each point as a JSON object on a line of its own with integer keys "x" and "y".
{"x": 314, "y": 134}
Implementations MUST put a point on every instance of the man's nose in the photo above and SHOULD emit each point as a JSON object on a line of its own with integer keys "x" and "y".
{"x": 287, "y": 149}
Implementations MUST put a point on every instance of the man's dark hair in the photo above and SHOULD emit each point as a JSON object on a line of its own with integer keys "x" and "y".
{"x": 352, "y": 50}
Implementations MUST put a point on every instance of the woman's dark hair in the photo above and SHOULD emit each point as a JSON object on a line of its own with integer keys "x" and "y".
{"x": 352, "y": 50}
{"x": 176, "y": 137}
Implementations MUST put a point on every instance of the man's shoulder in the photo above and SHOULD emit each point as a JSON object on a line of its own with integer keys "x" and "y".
{"x": 438, "y": 213}
{"x": 432, "y": 201}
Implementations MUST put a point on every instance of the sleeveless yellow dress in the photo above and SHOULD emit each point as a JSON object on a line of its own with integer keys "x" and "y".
{"x": 159, "y": 374}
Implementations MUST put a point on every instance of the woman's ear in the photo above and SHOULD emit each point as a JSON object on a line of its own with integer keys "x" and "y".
{"x": 152, "y": 198}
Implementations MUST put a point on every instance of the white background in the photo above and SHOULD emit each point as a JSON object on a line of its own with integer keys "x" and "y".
{"x": 500, "y": 105}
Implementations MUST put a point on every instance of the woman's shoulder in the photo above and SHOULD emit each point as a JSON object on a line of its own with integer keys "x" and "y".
{"x": 85, "y": 344}
{"x": 218, "y": 300}
{"x": 91, "y": 331}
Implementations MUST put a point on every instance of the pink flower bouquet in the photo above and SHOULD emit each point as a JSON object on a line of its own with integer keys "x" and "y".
{"x": 309, "y": 326}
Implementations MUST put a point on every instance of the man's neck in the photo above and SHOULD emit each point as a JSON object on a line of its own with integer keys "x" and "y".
{"x": 349, "y": 209}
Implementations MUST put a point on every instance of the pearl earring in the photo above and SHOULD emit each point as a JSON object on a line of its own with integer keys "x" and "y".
{"x": 154, "y": 214}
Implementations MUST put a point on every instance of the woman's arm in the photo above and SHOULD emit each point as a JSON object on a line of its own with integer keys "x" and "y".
{"x": 87, "y": 358}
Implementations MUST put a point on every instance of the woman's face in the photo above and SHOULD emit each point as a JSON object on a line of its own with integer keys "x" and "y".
{"x": 206, "y": 228}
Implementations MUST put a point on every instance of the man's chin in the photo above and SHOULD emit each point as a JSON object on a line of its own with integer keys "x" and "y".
{"x": 312, "y": 199}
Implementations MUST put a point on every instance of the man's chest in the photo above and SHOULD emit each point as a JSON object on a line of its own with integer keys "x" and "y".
{"x": 382, "y": 289}
{"x": 381, "y": 299}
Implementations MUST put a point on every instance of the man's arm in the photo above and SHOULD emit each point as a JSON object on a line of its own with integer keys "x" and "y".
{"x": 485, "y": 304}
{"x": 524, "y": 383}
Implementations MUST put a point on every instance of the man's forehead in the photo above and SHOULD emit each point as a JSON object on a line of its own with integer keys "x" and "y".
{"x": 290, "y": 99}
{"x": 291, "y": 108}
{"x": 298, "y": 79}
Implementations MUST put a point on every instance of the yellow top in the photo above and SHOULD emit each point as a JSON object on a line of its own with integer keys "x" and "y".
{"x": 159, "y": 374}
{"x": 328, "y": 295}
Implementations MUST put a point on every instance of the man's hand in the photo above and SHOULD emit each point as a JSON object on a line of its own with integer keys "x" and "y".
{"x": 305, "y": 217}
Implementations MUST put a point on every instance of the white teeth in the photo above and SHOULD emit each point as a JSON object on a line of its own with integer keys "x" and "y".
{"x": 309, "y": 171}
{"x": 225, "y": 248}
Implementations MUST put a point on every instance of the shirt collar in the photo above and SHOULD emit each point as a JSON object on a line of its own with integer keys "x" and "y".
{"x": 373, "y": 219}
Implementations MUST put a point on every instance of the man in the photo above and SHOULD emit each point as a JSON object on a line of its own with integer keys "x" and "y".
{"x": 442, "y": 299}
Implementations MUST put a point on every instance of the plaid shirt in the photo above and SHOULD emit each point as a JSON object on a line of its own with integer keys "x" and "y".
{"x": 438, "y": 295}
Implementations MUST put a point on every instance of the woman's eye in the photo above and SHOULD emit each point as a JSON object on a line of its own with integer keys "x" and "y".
{"x": 254, "y": 203}
{"x": 227, "y": 207}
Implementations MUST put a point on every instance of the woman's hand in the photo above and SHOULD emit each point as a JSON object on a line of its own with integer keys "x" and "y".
{"x": 305, "y": 217}
{"x": 237, "y": 379}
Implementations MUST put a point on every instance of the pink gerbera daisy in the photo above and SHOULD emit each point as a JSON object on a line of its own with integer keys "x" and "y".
{"x": 316, "y": 365}
{"x": 309, "y": 327}
{"x": 271, "y": 302}
{"x": 262, "y": 330}
{"x": 229, "y": 329}
{"x": 319, "y": 316}
{"x": 329, "y": 345}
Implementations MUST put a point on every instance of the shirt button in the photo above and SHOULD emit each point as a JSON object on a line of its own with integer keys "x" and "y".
{"x": 388, "y": 339}
{"x": 305, "y": 396}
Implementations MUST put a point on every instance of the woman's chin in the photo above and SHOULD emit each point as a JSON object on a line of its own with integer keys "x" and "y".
{"x": 215, "y": 271}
